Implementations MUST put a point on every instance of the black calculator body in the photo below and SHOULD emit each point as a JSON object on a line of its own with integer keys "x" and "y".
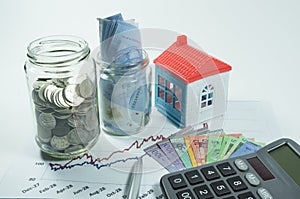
{"x": 273, "y": 172}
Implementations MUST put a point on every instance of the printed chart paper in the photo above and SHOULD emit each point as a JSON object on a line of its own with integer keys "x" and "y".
{"x": 104, "y": 171}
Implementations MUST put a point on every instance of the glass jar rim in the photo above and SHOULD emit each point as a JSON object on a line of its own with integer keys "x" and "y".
{"x": 116, "y": 67}
{"x": 57, "y": 50}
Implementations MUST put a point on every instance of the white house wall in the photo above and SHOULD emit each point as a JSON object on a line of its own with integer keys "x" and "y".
{"x": 194, "y": 113}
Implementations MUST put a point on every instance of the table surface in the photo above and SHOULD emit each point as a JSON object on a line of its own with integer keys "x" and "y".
{"x": 260, "y": 39}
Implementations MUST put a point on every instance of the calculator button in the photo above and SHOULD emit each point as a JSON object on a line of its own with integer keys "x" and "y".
{"x": 264, "y": 193}
{"x": 210, "y": 173}
{"x": 241, "y": 165}
{"x": 236, "y": 183}
{"x": 177, "y": 181}
{"x": 186, "y": 194}
{"x": 226, "y": 169}
{"x": 252, "y": 179}
{"x": 203, "y": 192}
{"x": 194, "y": 177}
{"x": 220, "y": 188}
{"x": 230, "y": 197}
{"x": 247, "y": 195}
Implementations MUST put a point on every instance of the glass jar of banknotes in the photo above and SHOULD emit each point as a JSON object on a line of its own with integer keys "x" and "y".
{"x": 124, "y": 93}
{"x": 62, "y": 85}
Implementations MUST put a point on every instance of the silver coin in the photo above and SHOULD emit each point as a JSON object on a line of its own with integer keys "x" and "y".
{"x": 83, "y": 108}
{"x": 71, "y": 95}
{"x": 37, "y": 100}
{"x": 61, "y": 129}
{"x": 56, "y": 98}
{"x": 48, "y": 110}
{"x": 37, "y": 84}
{"x": 77, "y": 79}
{"x": 44, "y": 135}
{"x": 86, "y": 88}
{"x": 47, "y": 120}
{"x": 40, "y": 108}
{"x": 64, "y": 110}
{"x": 59, "y": 82}
{"x": 62, "y": 116}
{"x": 71, "y": 122}
{"x": 91, "y": 120}
{"x": 76, "y": 121}
{"x": 59, "y": 143}
{"x": 41, "y": 91}
{"x": 59, "y": 99}
{"x": 62, "y": 100}
{"x": 73, "y": 148}
{"x": 77, "y": 136}
{"x": 49, "y": 92}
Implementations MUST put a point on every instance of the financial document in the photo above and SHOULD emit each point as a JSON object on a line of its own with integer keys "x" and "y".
{"x": 103, "y": 172}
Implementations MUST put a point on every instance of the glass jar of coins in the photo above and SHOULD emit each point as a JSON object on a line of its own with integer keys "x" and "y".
{"x": 124, "y": 93}
{"x": 62, "y": 84}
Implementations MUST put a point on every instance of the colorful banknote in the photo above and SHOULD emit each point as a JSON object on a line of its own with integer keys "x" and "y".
{"x": 199, "y": 146}
{"x": 167, "y": 147}
{"x": 186, "y": 149}
{"x": 157, "y": 154}
{"x": 190, "y": 151}
{"x": 214, "y": 146}
{"x": 180, "y": 147}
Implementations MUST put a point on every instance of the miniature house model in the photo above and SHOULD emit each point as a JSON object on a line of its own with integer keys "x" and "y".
{"x": 190, "y": 86}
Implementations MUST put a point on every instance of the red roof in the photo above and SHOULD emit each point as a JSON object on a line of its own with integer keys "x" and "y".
{"x": 189, "y": 64}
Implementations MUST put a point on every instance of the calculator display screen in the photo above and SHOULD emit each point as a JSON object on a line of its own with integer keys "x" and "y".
{"x": 288, "y": 160}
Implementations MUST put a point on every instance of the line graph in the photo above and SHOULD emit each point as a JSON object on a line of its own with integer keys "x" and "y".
{"x": 94, "y": 163}
{"x": 104, "y": 170}
{"x": 89, "y": 160}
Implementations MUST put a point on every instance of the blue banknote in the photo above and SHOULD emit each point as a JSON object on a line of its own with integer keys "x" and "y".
{"x": 246, "y": 148}
{"x": 156, "y": 153}
{"x": 167, "y": 147}
{"x": 120, "y": 41}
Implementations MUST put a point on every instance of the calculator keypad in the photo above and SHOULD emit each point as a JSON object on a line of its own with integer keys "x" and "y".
{"x": 247, "y": 195}
{"x": 226, "y": 169}
{"x": 252, "y": 179}
{"x": 177, "y": 181}
{"x": 185, "y": 194}
{"x": 220, "y": 188}
{"x": 210, "y": 173}
{"x": 241, "y": 165}
{"x": 194, "y": 177}
{"x": 226, "y": 180}
{"x": 203, "y": 192}
{"x": 237, "y": 184}
{"x": 264, "y": 193}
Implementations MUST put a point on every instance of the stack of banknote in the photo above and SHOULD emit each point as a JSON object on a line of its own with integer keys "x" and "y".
{"x": 181, "y": 151}
{"x": 120, "y": 40}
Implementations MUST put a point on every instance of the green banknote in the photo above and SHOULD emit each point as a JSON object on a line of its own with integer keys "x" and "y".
{"x": 180, "y": 148}
{"x": 214, "y": 146}
{"x": 242, "y": 140}
{"x": 229, "y": 144}
{"x": 224, "y": 142}
{"x": 262, "y": 144}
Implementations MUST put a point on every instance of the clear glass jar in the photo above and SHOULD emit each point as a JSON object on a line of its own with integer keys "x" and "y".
{"x": 124, "y": 95}
{"x": 62, "y": 84}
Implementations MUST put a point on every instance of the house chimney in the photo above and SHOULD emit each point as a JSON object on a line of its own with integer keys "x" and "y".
{"x": 181, "y": 40}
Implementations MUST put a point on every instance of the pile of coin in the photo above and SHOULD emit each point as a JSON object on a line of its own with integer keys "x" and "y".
{"x": 66, "y": 112}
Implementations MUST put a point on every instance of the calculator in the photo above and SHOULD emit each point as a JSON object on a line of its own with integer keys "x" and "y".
{"x": 273, "y": 172}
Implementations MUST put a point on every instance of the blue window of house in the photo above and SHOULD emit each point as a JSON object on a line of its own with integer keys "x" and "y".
{"x": 169, "y": 93}
{"x": 207, "y": 95}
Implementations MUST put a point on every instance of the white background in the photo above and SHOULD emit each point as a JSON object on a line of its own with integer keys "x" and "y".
{"x": 260, "y": 39}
